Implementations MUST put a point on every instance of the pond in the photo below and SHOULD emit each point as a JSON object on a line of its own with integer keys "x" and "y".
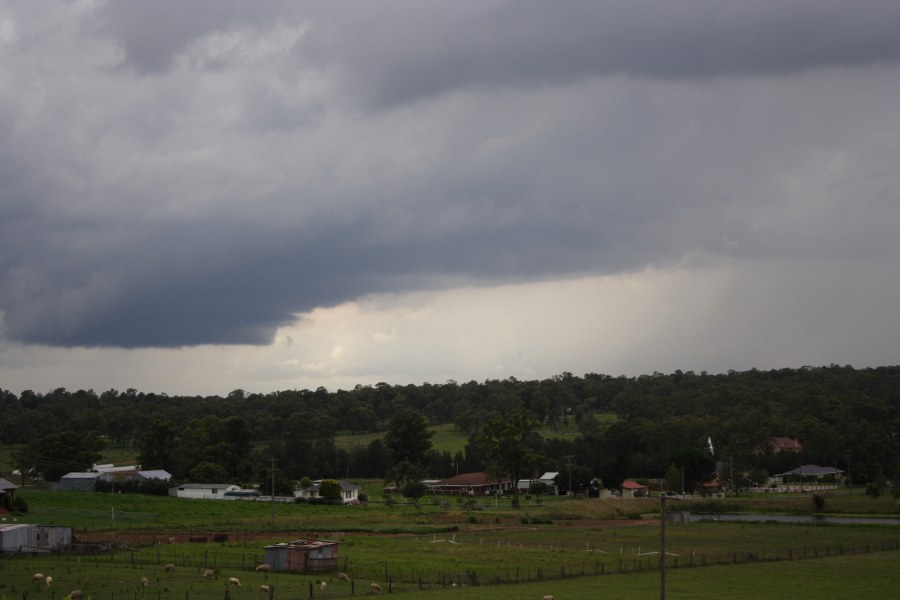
{"x": 687, "y": 517}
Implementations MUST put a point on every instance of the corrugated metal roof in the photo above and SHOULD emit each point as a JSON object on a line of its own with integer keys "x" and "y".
{"x": 305, "y": 543}
{"x": 78, "y": 475}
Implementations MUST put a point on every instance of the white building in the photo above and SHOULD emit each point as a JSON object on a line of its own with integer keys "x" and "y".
{"x": 205, "y": 491}
{"x": 349, "y": 492}
{"x": 548, "y": 478}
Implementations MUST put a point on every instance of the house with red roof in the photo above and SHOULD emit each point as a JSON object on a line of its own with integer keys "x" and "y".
{"x": 633, "y": 489}
{"x": 777, "y": 445}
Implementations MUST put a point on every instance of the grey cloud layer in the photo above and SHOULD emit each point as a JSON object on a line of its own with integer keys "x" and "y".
{"x": 183, "y": 173}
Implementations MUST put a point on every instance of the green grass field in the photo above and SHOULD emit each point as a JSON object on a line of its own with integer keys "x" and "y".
{"x": 875, "y": 574}
{"x": 568, "y": 548}
{"x": 446, "y": 438}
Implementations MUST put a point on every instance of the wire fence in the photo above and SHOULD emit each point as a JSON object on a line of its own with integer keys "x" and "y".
{"x": 388, "y": 576}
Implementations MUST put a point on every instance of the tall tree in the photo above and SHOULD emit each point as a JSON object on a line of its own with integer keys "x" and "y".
{"x": 54, "y": 455}
{"x": 511, "y": 443}
{"x": 156, "y": 448}
{"x": 407, "y": 437}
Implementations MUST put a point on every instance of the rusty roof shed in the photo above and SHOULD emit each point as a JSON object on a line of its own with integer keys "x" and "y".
{"x": 303, "y": 556}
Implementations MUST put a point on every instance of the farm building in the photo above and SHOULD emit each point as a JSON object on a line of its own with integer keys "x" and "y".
{"x": 7, "y": 491}
{"x": 208, "y": 491}
{"x": 471, "y": 484}
{"x": 303, "y": 556}
{"x": 85, "y": 481}
{"x": 548, "y": 479}
{"x": 33, "y": 538}
{"x": 75, "y": 482}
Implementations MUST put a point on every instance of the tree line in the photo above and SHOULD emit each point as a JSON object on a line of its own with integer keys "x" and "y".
{"x": 599, "y": 426}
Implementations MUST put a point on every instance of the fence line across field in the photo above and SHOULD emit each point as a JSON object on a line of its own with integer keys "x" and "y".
{"x": 396, "y": 577}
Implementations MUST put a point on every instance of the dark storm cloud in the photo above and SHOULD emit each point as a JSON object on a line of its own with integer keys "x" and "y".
{"x": 189, "y": 189}
{"x": 427, "y": 49}
{"x": 152, "y": 34}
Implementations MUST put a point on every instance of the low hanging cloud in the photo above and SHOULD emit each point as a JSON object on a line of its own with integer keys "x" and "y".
{"x": 184, "y": 173}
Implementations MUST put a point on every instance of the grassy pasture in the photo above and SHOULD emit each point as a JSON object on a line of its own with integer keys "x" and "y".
{"x": 501, "y": 549}
{"x": 446, "y": 438}
{"x": 103, "y": 578}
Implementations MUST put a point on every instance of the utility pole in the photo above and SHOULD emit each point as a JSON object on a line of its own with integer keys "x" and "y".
{"x": 849, "y": 481}
{"x": 731, "y": 468}
{"x": 273, "y": 491}
{"x": 114, "y": 501}
{"x": 662, "y": 547}
{"x": 569, "y": 463}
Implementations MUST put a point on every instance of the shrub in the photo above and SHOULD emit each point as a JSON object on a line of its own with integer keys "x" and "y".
{"x": 818, "y": 502}
{"x": 19, "y": 505}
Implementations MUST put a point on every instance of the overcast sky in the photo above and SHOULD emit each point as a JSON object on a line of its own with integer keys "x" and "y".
{"x": 204, "y": 195}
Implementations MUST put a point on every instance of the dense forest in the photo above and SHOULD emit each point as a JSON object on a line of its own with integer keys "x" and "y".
{"x": 607, "y": 427}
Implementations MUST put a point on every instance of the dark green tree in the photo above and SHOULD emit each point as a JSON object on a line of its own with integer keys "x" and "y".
{"x": 580, "y": 478}
{"x": 407, "y": 437}
{"x": 208, "y": 472}
{"x": 54, "y": 455}
{"x": 414, "y": 490}
{"x": 405, "y": 472}
{"x": 698, "y": 466}
{"x": 330, "y": 490}
{"x": 157, "y": 448}
{"x": 511, "y": 443}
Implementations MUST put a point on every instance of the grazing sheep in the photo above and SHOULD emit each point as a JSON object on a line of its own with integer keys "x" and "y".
{"x": 547, "y": 597}
{"x": 234, "y": 581}
{"x": 170, "y": 568}
{"x": 264, "y": 567}
{"x": 76, "y": 595}
{"x": 265, "y": 589}
{"x": 144, "y": 582}
{"x": 37, "y": 577}
{"x": 208, "y": 574}
{"x": 322, "y": 586}
{"x": 343, "y": 577}
{"x": 375, "y": 588}
{"x": 48, "y": 580}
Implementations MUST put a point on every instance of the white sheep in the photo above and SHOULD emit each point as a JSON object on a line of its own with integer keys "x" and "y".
{"x": 322, "y": 586}
{"x": 37, "y": 577}
{"x": 144, "y": 582}
{"x": 234, "y": 581}
{"x": 547, "y": 597}
{"x": 170, "y": 568}
{"x": 48, "y": 580}
{"x": 208, "y": 574}
{"x": 375, "y": 588}
{"x": 265, "y": 589}
{"x": 343, "y": 577}
{"x": 264, "y": 567}
{"x": 76, "y": 595}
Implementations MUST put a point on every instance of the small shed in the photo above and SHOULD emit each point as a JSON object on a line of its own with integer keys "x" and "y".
{"x": 76, "y": 482}
{"x": 7, "y": 490}
{"x": 303, "y": 556}
{"x": 33, "y": 538}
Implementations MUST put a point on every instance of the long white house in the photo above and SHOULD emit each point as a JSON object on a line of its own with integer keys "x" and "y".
{"x": 205, "y": 491}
